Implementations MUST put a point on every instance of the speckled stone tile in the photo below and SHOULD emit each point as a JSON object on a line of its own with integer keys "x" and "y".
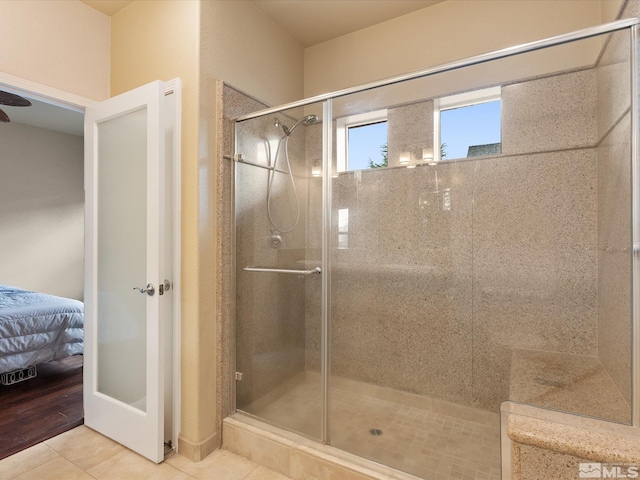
{"x": 434, "y": 300}
{"x": 552, "y": 113}
{"x": 571, "y": 383}
{"x": 410, "y": 129}
{"x": 614, "y": 187}
{"x": 269, "y": 304}
{"x": 538, "y": 464}
{"x": 588, "y": 438}
{"x": 421, "y": 436}
{"x": 405, "y": 280}
{"x": 534, "y": 262}
{"x": 614, "y": 255}
{"x": 631, "y": 9}
{"x": 613, "y": 81}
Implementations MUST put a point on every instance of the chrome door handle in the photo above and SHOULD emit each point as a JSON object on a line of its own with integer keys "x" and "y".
{"x": 149, "y": 289}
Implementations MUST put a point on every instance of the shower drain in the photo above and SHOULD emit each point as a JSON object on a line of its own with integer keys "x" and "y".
{"x": 375, "y": 431}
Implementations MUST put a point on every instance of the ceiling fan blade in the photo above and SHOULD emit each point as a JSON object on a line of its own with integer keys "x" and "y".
{"x": 4, "y": 117}
{"x": 13, "y": 100}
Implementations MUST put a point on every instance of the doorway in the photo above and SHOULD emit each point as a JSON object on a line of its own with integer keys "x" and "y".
{"x": 41, "y": 250}
{"x": 61, "y": 106}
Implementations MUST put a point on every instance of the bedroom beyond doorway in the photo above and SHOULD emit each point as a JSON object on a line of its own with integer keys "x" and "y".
{"x": 41, "y": 407}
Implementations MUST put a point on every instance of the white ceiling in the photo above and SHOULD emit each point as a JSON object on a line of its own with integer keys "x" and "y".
{"x": 45, "y": 115}
{"x": 315, "y": 21}
{"x": 108, "y": 7}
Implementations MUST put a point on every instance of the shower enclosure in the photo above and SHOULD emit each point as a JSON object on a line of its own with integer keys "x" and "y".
{"x": 389, "y": 307}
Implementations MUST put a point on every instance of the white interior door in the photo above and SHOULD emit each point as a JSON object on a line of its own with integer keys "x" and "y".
{"x": 124, "y": 369}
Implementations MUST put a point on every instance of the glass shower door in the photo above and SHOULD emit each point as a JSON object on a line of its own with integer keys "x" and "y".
{"x": 278, "y": 277}
{"x": 452, "y": 281}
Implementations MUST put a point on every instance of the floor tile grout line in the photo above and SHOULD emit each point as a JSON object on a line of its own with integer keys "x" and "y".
{"x": 404, "y": 416}
{"x": 35, "y": 466}
{"x": 253, "y": 470}
{"x": 57, "y": 455}
{"x": 74, "y": 463}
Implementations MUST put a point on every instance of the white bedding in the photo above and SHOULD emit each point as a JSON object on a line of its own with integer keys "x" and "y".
{"x": 37, "y": 328}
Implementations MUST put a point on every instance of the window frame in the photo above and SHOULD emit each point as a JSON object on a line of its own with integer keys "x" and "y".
{"x": 343, "y": 125}
{"x": 460, "y": 100}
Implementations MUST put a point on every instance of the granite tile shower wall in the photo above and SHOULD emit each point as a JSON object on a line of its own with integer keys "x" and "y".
{"x": 269, "y": 308}
{"x": 451, "y": 303}
{"x": 519, "y": 290}
{"x": 614, "y": 211}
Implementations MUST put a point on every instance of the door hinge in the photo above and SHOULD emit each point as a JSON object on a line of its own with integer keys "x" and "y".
{"x": 239, "y": 376}
{"x": 168, "y": 449}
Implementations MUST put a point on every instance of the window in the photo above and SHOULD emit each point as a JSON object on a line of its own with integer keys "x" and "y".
{"x": 468, "y": 124}
{"x": 362, "y": 141}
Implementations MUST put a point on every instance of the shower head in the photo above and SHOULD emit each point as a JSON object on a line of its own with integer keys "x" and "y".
{"x": 310, "y": 119}
{"x": 307, "y": 120}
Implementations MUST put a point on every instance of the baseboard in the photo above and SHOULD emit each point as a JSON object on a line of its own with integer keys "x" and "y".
{"x": 197, "y": 451}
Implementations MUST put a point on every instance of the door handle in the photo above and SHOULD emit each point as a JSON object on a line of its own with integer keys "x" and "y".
{"x": 149, "y": 289}
{"x": 315, "y": 271}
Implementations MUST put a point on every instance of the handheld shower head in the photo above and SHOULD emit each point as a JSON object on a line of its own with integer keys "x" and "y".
{"x": 310, "y": 119}
{"x": 307, "y": 120}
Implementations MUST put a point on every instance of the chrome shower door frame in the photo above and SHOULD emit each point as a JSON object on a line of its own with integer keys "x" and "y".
{"x": 325, "y": 332}
{"x": 327, "y": 161}
{"x": 635, "y": 225}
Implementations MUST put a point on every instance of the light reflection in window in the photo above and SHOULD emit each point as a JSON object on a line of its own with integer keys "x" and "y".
{"x": 343, "y": 228}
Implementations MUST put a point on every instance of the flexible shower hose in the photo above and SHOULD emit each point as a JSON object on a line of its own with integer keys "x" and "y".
{"x": 272, "y": 174}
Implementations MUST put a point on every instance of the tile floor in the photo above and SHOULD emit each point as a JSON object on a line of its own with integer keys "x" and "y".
{"x": 428, "y": 440}
{"x": 82, "y": 454}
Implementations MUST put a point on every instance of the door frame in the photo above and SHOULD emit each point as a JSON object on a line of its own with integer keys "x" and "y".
{"x": 70, "y": 101}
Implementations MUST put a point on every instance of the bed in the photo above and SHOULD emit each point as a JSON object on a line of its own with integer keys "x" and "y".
{"x": 36, "y": 328}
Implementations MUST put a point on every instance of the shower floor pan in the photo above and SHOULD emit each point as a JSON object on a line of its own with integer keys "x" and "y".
{"x": 424, "y": 437}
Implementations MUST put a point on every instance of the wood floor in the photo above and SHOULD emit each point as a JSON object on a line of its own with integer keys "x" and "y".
{"x": 42, "y": 407}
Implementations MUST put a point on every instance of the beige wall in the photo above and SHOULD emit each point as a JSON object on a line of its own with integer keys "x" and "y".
{"x": 199, "y": 42}
{"x": 65, "y": 44}
{"x": 447, "y": 31}
{"x": 42, "y": 214}
{"x": 59, "y": 43}
{"x": 246, "y": 49}
{"x": 159, "y": 40}
{"x": 610, "y": 10}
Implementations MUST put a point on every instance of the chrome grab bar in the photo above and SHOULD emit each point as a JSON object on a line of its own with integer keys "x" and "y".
{"x": 315, "y": 271}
